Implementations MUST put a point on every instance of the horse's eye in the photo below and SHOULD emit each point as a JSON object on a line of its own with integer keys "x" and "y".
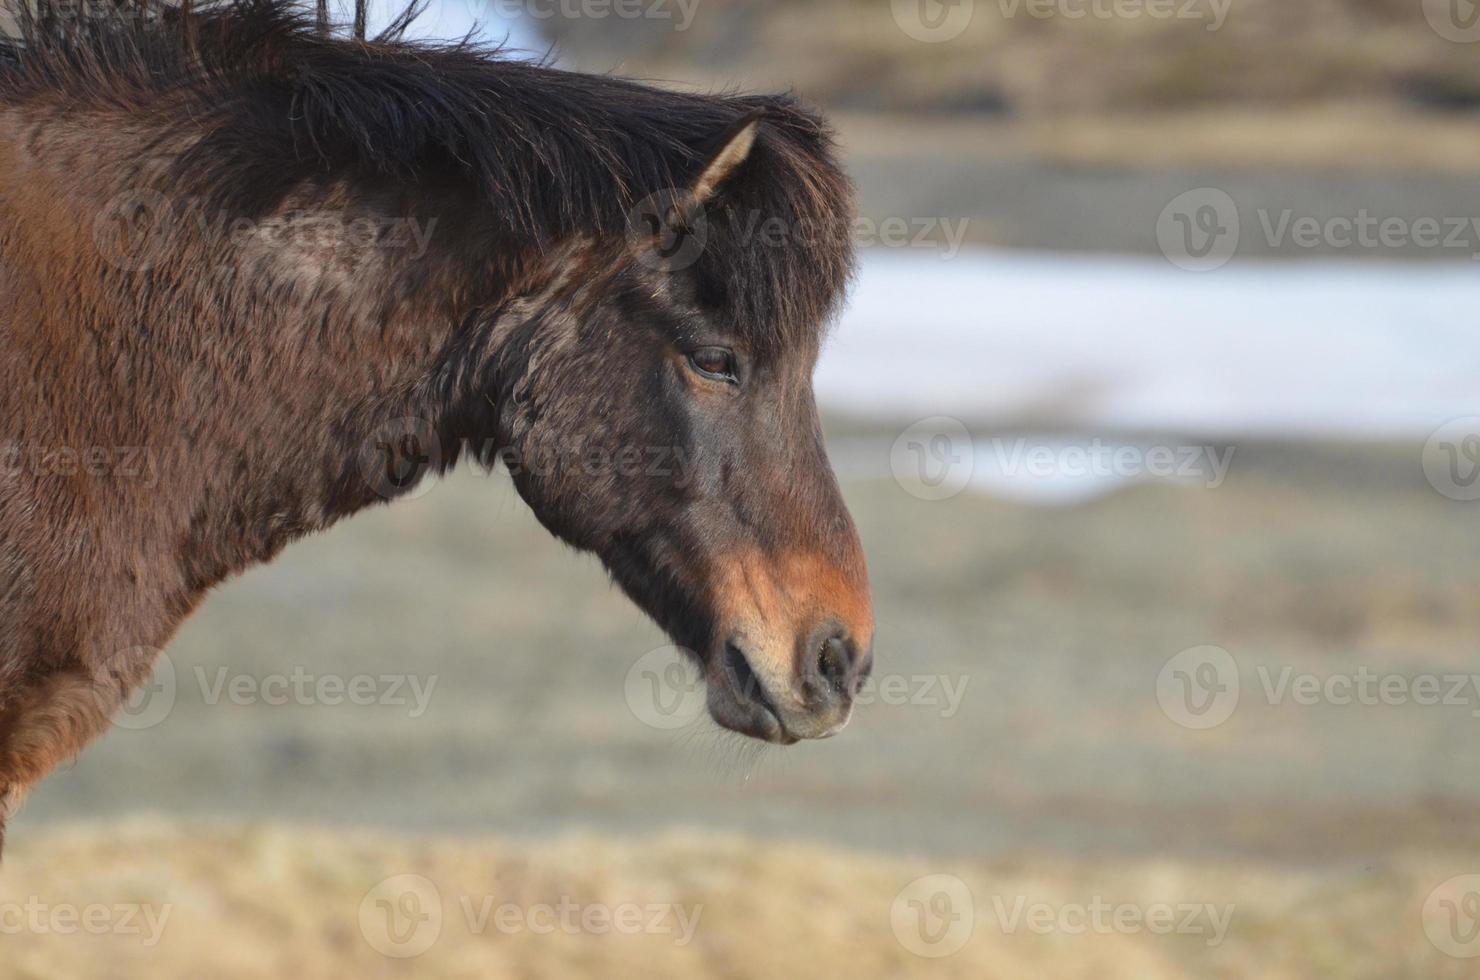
{"x": 714, "y": 362}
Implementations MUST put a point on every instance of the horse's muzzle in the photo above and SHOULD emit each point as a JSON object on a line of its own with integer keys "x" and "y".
{"x": 814, "y": 700}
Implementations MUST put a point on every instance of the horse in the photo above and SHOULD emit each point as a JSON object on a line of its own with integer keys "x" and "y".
{"x": 259, "y": 274}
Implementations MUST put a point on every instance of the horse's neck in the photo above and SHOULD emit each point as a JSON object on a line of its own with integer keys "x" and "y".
{"x": 237, "y": 378}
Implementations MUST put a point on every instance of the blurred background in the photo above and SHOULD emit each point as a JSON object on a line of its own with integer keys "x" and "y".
{"x": 1156, "y": 403}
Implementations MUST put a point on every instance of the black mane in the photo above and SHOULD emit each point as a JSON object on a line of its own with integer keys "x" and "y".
{"x": 549, "y": 153}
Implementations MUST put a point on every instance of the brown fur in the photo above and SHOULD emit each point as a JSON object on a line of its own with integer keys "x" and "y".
{"x": 191, "y": 377}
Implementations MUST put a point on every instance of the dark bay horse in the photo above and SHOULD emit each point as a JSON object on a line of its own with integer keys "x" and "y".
{"x": 257, "y": 276}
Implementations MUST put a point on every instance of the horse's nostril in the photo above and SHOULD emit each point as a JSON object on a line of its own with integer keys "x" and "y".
{"x": 740, "y": 671}
{"x": 833, "y": 663}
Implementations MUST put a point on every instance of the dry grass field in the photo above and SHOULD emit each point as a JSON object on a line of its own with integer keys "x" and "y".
{"x": 271, "y": 901}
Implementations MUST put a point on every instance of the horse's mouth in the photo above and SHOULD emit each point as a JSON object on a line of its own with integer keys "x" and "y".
{"x": 744, "y": 705}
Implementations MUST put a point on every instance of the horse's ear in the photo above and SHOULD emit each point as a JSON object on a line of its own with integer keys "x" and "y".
{"x": 671, "y": 222}
{"x": 734, "y": 148}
